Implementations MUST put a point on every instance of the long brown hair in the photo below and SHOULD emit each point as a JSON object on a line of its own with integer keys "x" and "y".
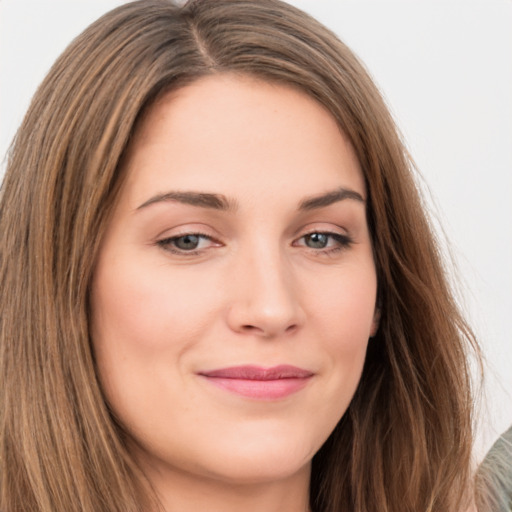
{"x": 404, "y": 443}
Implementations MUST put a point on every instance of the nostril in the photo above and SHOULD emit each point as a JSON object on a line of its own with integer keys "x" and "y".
{"x": 253, "y": 329}
{"x": 250, "y": 328}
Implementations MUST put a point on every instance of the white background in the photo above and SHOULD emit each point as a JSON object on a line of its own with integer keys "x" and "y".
{"x": 445, "y": 68}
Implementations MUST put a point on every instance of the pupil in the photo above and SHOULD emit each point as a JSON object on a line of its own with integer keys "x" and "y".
{"x": 317, "y": 240}
{"x": 187, "y": 242}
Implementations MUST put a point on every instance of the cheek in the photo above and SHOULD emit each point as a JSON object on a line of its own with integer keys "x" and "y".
{"x": 139, "y": 332}
{"x": 144, "y": 323}
{"x": 141, "y": 308}
{"x": 344, "y": 314}
{"x": 346, "y": 305}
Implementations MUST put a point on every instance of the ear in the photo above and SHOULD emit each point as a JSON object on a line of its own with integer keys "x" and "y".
{"x": 375, "y": 322}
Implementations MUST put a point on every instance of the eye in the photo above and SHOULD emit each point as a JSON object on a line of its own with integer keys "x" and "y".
{"x": 324, "y": 242}
{"x": 317, "y": 240}
{"x": 189, "y": 243}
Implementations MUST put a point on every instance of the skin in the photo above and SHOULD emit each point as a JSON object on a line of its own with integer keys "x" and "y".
{"x": 258, "y": 289}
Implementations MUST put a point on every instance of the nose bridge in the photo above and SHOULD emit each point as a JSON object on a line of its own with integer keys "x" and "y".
{"x": 265, "y": 301}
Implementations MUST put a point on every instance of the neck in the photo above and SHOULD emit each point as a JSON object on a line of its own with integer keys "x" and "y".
{"x": 182, "y": 492}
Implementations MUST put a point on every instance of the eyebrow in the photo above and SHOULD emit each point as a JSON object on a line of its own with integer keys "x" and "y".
{"x": 323, "y": 200}
{"x": 200, "y": 199}
{"x": 222, "y": 203}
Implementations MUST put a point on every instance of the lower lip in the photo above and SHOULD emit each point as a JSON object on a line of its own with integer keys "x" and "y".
{"x": 260, "y": 389}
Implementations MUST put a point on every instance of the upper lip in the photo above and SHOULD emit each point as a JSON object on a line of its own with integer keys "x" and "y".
{"x": 250, "y": 372}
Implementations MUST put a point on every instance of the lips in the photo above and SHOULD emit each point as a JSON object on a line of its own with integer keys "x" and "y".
{"x": 259, "y": 383}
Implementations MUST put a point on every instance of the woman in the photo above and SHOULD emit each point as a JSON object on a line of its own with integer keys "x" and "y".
{"x": 226, "y": 294}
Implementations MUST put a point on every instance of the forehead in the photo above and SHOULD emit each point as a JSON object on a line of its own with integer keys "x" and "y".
{"x": 223, "y": 131}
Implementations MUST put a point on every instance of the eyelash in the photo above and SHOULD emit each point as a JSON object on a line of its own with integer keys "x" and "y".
{"x": 168, "y": 244}
{"x": 342, "y": 242}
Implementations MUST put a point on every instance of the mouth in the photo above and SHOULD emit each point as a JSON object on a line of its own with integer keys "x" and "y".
{"x": 259, "y": 383}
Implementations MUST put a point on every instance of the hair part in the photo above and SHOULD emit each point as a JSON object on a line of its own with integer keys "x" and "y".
{"x": 405, "y": 441}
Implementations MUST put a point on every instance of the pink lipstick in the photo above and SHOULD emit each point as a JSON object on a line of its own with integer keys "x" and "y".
{"x": 260, "y": 383}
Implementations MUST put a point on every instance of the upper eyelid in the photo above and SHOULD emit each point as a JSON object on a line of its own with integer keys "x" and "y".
{"x": 185, "y": 233}
{"x": 326, "y": 230}
{"x": 321, "y": 227}
{"x": 332, "y": 234}
{"x": 186, "y": 229}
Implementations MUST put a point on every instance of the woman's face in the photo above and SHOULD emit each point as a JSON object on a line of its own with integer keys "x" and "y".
{"x": 234, "y": 292}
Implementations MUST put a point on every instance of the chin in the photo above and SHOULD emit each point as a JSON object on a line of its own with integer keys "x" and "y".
{"x": 261, "y": 470}
{"x": 269, "y": 457}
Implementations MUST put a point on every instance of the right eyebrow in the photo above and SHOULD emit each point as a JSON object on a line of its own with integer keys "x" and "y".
{"x": 200, "y": 199}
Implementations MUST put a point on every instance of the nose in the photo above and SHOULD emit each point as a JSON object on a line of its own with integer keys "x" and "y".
{"x": 265, "y": 300}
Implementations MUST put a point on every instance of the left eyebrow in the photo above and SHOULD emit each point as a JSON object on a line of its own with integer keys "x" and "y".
{"x": 323, "y": 200}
